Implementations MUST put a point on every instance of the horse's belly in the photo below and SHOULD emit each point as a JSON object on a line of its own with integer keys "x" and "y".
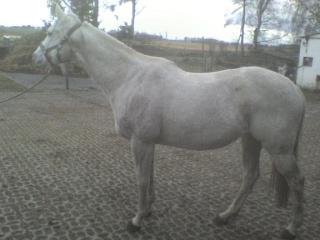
{"x": 200, "y": 137}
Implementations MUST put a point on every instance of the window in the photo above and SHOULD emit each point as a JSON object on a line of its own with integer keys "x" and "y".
{"x": 307, "y": 61}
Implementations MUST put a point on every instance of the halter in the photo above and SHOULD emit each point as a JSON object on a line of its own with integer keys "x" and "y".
{"x": 59, "y": 45}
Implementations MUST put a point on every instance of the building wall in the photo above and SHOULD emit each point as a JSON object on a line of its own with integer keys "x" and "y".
{"x": 307, "y": 75}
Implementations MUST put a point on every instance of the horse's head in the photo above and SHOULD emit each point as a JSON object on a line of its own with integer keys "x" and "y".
{"x": 55, "y": 48}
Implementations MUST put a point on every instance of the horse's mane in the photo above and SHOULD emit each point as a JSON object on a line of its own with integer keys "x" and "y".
{"x": 103, "y": 38}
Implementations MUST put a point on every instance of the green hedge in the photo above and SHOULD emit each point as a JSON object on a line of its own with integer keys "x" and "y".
{"x": 19, "y": 58}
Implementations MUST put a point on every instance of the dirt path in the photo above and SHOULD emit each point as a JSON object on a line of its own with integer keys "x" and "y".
{"x": 53, "y": 82}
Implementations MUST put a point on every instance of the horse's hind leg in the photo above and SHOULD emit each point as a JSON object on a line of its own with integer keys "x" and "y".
{"x": 251, "y": 152}
{"x": 286, "y": 165}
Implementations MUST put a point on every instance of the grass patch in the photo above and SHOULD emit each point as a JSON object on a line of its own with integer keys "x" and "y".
{"x": 8, "y": 85}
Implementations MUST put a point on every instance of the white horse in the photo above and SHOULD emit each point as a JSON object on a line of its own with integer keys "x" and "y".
{"x": 155, "y": 102}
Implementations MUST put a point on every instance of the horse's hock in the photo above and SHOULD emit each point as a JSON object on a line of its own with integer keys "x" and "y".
{"x": 66, "y": 175}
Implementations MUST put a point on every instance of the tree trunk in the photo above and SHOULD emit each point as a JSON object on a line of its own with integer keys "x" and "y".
{"x": 95, "y": 14}
{"x": 262, "y": 6}
{"x": 257, "y": 33}
{"x": 243, "y": 22}
{"x": 133, "y": 17}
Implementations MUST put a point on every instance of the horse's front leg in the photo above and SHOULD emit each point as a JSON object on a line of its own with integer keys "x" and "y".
{"x": 143, "y": 155}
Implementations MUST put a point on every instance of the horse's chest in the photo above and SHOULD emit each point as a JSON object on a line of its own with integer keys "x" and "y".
{"x": 123, "y": 127}
{"x": 137, "y": 118}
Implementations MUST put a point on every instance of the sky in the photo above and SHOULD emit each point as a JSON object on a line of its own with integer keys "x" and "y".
{"x": 171, "y": 18}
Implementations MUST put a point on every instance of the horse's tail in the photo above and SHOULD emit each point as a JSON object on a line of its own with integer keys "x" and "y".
{"x": 280, "y": 186}
{"x": 279, "y": 182}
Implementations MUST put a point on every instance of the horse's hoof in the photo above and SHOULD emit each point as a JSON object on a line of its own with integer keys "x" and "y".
{"x": 219, "y": 221}
{"x": 287, "y": 235}
{"x": 131, "y": 228}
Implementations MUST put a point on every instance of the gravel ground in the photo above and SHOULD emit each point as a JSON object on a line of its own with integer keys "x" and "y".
{"x": 66, "y": 175}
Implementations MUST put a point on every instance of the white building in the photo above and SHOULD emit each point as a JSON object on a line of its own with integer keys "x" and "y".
{"x": 308, "y": 75}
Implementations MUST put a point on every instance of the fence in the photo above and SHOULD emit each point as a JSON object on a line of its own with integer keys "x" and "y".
{"x": 205, "y": 55}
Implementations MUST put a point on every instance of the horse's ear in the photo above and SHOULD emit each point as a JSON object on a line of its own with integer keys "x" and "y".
{"x": 69, "y": 10}
{"x": 58, "y": 12}
{"x": 71, "y": 13}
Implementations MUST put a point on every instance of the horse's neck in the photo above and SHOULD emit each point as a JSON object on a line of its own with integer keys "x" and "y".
{"x": 107, "y": 61}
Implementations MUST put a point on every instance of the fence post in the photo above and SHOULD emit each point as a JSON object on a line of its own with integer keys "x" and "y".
{"x": 67, "y": 80}
{"x": 203, "y": 56}
{"x": 65, "y": 74}
{"x": 212, "y": 55}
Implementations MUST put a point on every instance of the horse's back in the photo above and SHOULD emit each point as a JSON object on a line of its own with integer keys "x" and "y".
{"x": 213, "y": 109}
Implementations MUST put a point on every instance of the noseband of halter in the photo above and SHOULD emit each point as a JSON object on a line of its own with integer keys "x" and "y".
{"x": 59, "y": 45}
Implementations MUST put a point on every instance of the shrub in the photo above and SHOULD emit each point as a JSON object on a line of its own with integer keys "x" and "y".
{"x": 20, "y": 57}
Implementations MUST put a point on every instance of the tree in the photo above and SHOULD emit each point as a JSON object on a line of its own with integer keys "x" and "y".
{"x": 243, "y": 22}
{"x": 235, "y": 17}
{"x": 87, "y": 10}
{"x": 306, "y": 17}
{"x": 261, "y": 16}
{"x": 133, "y": 14}
{"x": 95, "y": 13}
{"x": 262, "y": 6}
{"x": 112, "y": 5}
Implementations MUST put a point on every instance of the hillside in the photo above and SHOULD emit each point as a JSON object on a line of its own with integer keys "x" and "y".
{"x": 18, "y": 31}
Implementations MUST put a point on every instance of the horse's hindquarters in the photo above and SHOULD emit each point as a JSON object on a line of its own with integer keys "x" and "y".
{"x": 276, "y": 120}
{"x": 276, "y": 131}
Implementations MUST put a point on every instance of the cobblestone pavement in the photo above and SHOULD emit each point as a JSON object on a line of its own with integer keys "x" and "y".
{"x": 66, "y": 175}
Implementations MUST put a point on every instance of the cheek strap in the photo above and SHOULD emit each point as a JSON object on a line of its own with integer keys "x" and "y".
{"x": 58, "y": 46}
